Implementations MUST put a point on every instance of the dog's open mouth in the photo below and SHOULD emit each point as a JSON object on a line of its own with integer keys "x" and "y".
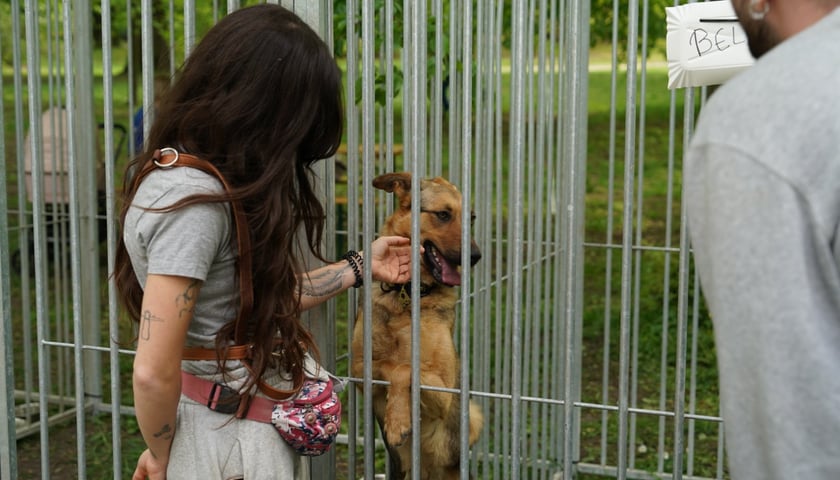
{"x": 444, "y": 270}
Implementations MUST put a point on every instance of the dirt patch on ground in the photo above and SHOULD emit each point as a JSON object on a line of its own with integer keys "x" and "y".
{"x": 62, "y": 454}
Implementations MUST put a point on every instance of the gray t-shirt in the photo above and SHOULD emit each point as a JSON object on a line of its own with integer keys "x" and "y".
{"x": 195, "y": 242}
{"x": 192, "y": 242}
{"x": 762, "y": 189}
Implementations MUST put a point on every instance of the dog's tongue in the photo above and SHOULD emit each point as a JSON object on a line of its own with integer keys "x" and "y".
{"x": 449, "y": 274}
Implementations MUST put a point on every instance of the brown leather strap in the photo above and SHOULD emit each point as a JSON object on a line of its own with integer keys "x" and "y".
{"x": 214, "y": 396}
{"x": 233, "y": 352}
{"x": 170, "y": 158}
{"x": 241, "y": 350}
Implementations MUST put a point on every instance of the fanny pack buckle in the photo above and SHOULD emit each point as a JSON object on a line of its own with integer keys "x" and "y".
{"x": 223, "y": 399}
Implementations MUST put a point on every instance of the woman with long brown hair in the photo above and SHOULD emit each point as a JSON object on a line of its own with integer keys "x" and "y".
{"x": 260, "y": 99}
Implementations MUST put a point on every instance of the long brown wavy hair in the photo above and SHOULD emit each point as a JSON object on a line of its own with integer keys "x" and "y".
{"x": 260, "y": 98}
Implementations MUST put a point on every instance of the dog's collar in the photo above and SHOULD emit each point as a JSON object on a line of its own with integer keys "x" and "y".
{"x": 404, "y": 290}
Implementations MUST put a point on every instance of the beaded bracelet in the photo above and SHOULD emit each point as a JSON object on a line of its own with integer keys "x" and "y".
{"x": 356, "y": 263}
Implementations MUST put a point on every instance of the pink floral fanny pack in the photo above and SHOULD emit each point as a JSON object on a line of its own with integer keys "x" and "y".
{"x": 310, "y": 422}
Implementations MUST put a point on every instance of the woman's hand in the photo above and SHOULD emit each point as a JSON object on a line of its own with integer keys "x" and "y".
{"x": 149, "y": 467}
{"x": 390, "y": 259}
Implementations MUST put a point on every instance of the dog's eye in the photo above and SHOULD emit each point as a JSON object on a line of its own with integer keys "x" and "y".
{"x": 443, "y": 216}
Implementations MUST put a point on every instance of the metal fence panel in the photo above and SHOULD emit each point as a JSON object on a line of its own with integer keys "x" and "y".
{"x": 581, "y": 332}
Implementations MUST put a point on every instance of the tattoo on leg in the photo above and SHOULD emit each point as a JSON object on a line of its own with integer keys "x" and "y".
{"x": 187, "y": 299}
{"x": 146, "y": 324}
{"x": 323, "y": 284}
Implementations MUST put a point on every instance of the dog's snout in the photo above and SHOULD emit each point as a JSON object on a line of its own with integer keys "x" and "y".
{"x": 475, "y": 254}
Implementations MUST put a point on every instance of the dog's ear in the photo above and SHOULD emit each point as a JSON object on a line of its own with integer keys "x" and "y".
{"x": 396, "y": 183}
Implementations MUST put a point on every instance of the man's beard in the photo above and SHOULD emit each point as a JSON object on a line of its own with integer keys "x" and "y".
{"x": 760, "y": 38}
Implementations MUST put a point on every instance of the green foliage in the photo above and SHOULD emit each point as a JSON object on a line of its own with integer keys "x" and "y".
{"x": 5, "y": 33}
{"x": 340, "y": 45}
{"x": 603, "y": 16}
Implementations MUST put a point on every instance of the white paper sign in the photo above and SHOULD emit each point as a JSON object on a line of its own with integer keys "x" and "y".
{"x": 705, "y": 44}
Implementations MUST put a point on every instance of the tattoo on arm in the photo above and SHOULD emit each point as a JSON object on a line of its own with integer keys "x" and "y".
{"x": 322, "y": 284}
{"x": 186, "y": 300}
{"x": 146, "y": 324}
{"x": 165, "y": 432}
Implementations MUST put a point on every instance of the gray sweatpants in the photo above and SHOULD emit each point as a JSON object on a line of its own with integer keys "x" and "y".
{"x": 211, "y": 445}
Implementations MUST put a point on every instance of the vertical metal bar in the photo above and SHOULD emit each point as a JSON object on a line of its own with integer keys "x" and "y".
{"x": 627, "y": 238}
{"x": 682, "y": 308}
{"x": 322, "y": 319}
{"x": 692, "y": 401}
{"x": 80, "y": 45}
{"x": 576, "y": 138}
{"x": 551, "y": 359}
{"x": 436, "y": 147}
{"x": 608, "y": 287}
{"x": 560, "y": 338}
{"x": 501, "y": 365}
{"x": 543, "y": 228}
{"x": 41, "y": 305}
{"x": 129, "y": 43}
{"x": 720, "y": 452}
{"x": 519, "y": 63}
{"x": 529, "y": 446}
{"x": 388, "y": 61}
{"x": 171, "y": 18}
{"x": 24, "y": 222}
{"x": 481, "y": 202}
{"x": 148, "y": 64}
{"x": 367, "y": 121}
{"x": 666, "y": 276}
{"x": 542, "y": 245}
{"x": 417, "y": 102}
{"x": 482, "y": 323}
{"x": 466, "y": 237}
{"x": 405, "y": 54}
{"x": 637, "y": 263}
{"x": 189, "y": 27}
{"x": 75, "y": 254}
{"x": 58, "y": 213}
{"x": 454, "y": 76}
{"x": 352, "y": 241}
{"x": 486, "y": 150}
{"x": 110, "y": 214}
{"x": 8, "y": 437}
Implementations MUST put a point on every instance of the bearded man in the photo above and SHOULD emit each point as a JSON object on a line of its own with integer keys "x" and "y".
{"x": 762, "y": 189}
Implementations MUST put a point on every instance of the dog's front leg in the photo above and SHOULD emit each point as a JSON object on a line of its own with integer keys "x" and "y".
{"x": 398, "y": 406}
{"x": 435, "y": 404}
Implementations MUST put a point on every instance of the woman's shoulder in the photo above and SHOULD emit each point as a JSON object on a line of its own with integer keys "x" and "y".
{"x": 174, "y": 184}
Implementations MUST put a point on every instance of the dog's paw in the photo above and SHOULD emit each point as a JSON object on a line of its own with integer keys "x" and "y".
{"x": 397, "y": 432}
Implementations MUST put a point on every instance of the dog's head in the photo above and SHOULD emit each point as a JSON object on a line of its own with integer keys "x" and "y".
{"x": 440, "y": 224}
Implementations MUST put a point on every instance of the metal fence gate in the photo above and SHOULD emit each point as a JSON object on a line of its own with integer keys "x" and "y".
{"x": 581, "y": 332}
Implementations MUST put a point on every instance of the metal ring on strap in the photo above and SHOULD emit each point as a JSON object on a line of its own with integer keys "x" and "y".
{"x": 165, "y": 150}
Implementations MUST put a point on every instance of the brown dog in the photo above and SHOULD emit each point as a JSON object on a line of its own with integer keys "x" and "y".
{"x": 440, "y": 231}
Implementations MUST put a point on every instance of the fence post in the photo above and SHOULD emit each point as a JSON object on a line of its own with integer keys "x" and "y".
{"x": 8, "y": 442}
{"x": 321, "y": 320}
{"x": 87, "y": 157}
